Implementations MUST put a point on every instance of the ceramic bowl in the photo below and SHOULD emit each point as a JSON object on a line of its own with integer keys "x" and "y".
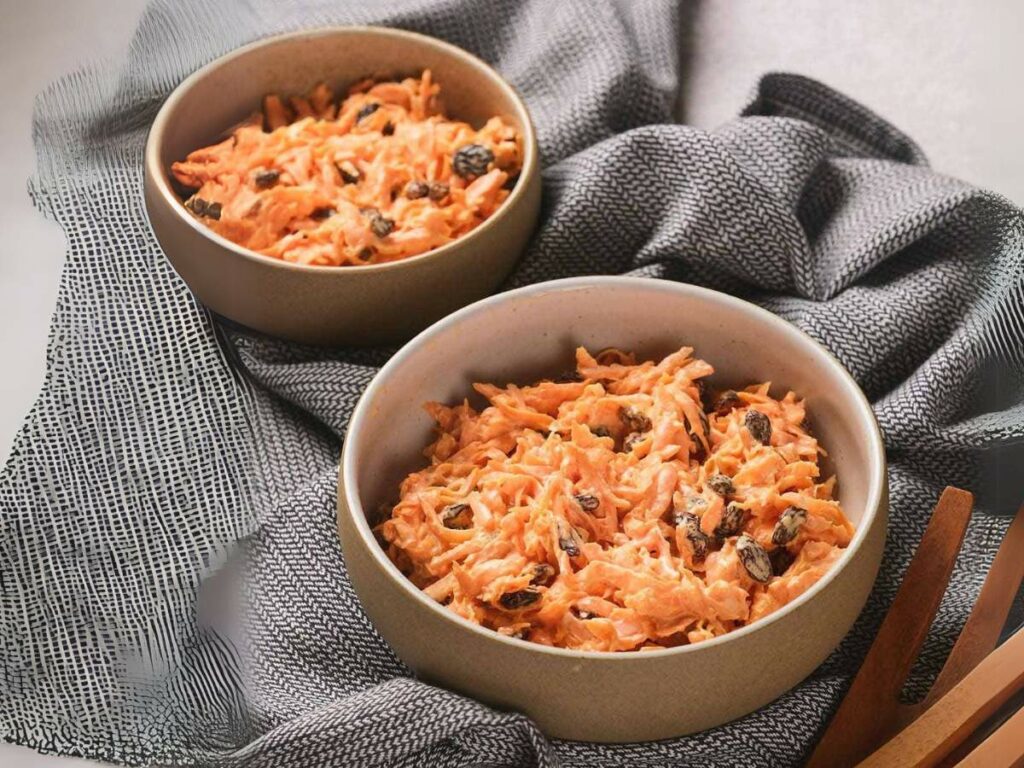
{"x": 370, "y": 304}
{"x": 523, "y": 335}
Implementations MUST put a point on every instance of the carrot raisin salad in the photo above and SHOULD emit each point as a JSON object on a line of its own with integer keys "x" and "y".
{"x": 615, "y": 511}
{"x": 382, "y": 176}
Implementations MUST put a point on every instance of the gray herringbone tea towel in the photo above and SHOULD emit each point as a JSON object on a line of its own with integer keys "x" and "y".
{"x": 162, "y": 438}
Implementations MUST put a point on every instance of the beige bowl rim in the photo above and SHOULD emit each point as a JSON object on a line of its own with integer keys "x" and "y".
{"x": 154, "y": 141}
{"x": 875, "y": 496}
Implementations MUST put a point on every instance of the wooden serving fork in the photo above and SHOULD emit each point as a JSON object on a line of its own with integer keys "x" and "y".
{"x": 972, "y": 685}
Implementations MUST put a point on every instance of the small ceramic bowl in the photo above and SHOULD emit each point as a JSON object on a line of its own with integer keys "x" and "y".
{"x": 523, "y": 335}
{"x": 371, "y": 304}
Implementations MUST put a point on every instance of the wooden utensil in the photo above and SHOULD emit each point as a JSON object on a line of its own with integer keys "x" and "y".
{"x": 871, "y": 713}
{"x": 981, "y": 631}
{"x": 955, "y": 716}
{"x": 1003, "y": 749}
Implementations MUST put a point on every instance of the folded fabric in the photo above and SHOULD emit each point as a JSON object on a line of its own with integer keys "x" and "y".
{"x": 163, "y": 437}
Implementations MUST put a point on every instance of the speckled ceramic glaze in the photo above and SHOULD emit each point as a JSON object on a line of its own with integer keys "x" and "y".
{"x": 523, "y": 335}
{"x": 334, "y": 305}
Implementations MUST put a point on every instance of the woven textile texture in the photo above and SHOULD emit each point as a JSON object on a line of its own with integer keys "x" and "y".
{"x": 162, "y": 437}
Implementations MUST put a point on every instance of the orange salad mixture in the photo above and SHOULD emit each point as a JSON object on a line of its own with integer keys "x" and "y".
{"x": 382, "y": 176}
{"x": 614, "y": 511}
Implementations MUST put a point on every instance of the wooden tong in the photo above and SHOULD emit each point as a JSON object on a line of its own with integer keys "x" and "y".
{"x": 975, "y": 681}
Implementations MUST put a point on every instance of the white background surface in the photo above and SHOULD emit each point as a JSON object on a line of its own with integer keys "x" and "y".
{"x": 945, "y": 72}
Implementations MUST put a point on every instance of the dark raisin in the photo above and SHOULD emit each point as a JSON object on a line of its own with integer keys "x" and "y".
{"x": 759, "y": 426}
{"x": 731, "y": 522}
{"x": 381, "y": 226}
{"x": 197, "y": 205}
{"x": 438, "y": 191}
{"x": 348, "y": 172}
{"x": 319, "y": 214}
{"x": 634, "y": 420}
{"x": 788, "y": 525}
{"x": 720, "y": 484}
{"x": 588, "y": 502}
{"x": 569, "y": 540}
{"x": 699, "y": 540}
{"x": 266, "y": 179}
{"x": 543, "y": 574}
{"x": 569, "y": 546}
{"x": 388, "y": 129}
{"x": 629, "y": 441}
{"x": 755, "y": 560}
{"x": 521, "y": 598}
{"x": 366, "y": 110}
{"x": 414, "y": 190}
{"x": 457, "y": 516}
{"x": 726, "y": 402}
{"x": 781, "y": 560}
{"x": 472, "y": 160}
{"x": 600, "y": 431}
{"x": 365, "y": 254}
{"x": 201, "y": 207}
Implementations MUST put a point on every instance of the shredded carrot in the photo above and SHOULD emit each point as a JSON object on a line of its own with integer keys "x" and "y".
{"x": 382, "y": 176}
{"x": 616, "y": 511}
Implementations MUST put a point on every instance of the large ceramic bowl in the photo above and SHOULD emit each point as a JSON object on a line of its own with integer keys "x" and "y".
{"x": 522, "y": 335}
{"x": 334, "y": 305}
